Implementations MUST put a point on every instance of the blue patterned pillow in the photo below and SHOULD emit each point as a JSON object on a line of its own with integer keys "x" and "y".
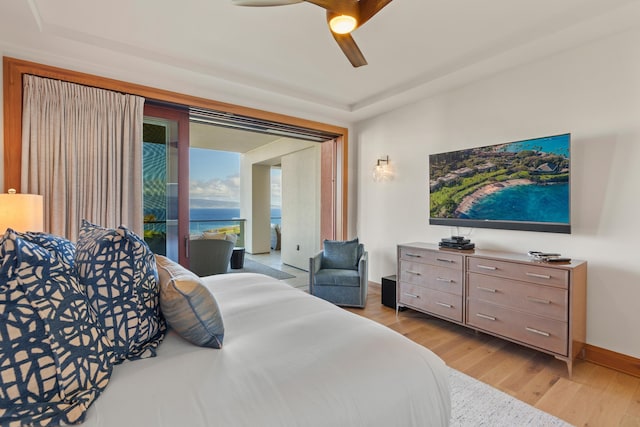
{"x": 55, "y": 359}
{"x": 118, "y": 271}
{"x": 189, "y": 307}
{"x": 60, "y": 247}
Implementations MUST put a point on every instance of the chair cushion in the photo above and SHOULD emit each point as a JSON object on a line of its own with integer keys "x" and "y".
{"x": 214, "y": 235}
{"x": 337, "y": 277}
{"x": 188, "y": 306}
{"x": 55, "y": 358}
{"x": 340, "y": 254}
{"x": 118, "y": 271}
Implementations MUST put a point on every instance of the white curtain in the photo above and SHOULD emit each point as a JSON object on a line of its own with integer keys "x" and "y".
{"x": 82, "y": 150}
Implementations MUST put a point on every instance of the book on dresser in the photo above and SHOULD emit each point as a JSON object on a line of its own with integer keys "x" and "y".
{"x": 537, "y": 304}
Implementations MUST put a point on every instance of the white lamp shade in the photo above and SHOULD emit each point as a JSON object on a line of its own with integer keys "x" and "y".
{"x": 21, "y": 212}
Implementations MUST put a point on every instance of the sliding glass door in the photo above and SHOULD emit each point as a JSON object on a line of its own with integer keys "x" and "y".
{"x": 166, "y": 180}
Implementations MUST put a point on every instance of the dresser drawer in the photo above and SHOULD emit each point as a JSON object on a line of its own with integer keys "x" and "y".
{"x": 528, "y": 272}
{"x": 431, "y": 301}
{"x": 545, "y": 301}
{"x": 424, "y": 256}
{"x": 431, "y": 276}
{"x": 541, "y": 332}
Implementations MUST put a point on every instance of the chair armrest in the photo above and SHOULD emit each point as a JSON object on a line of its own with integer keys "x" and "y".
{"x": 315, "y": 262}
{"x": 363, "y": 272}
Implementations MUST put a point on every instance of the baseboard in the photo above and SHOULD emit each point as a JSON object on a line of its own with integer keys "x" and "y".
{"x": 611, "y": 359}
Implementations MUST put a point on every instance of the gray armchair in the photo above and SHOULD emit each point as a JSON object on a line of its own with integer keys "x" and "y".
{"x": 210, "y": 256}
{"x": 339, "y": 273}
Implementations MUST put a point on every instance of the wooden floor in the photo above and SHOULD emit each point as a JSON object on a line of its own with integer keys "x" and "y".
{"x": 594, "y": 396}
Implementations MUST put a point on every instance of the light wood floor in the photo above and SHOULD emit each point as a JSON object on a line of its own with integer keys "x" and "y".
{"x": 594, "y": 396}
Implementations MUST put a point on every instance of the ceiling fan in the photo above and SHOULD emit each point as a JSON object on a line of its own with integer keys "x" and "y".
{"x": 343, "y": 16}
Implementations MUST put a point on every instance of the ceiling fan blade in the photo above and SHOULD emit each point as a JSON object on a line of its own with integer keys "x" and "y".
{"x": 368, "y": 8}
{"x": 338, "y": 6}
{"x": 350, "y": 49}
{"x": 261, "y": 3}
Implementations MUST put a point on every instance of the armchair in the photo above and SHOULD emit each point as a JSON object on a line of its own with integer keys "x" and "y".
{"x": 339, "y": 273}
{"x": 210, "y": 256}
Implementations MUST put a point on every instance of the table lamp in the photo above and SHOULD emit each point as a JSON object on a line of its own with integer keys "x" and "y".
{"x": 21, "y": 212}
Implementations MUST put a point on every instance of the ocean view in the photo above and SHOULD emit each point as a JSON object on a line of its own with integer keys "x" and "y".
{"x": 208, "y": 218}
{"x": 522, "y": 203}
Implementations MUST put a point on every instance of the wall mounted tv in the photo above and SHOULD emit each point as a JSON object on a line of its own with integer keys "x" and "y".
{"x": 521, "y": 185}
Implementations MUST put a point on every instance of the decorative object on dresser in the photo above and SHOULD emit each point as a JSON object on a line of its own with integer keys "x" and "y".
{"x": 456, "y": 242}
{"x": 509, "y": 295}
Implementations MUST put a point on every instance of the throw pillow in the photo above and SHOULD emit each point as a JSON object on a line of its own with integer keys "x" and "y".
{"x": 118, "y": 271}
{"x": 213, "y": 235}
{"x": 340, "y": 254}
{"x": 55, "y": 358}
{"x": 188, "y": 306}
{"x": 64, "y": 250}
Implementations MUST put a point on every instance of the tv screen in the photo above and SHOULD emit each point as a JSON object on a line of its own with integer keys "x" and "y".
{"x": 522, "y": 185}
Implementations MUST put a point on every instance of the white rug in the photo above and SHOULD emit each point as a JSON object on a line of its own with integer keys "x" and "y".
{"x": 474, "y": 403}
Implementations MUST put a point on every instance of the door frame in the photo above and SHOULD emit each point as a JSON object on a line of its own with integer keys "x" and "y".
{"x": 13, "y": 69}
{"x": 181, "y": 117}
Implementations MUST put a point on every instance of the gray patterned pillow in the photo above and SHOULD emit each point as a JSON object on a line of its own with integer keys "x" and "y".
{"x": 118, "y": 271}
{"x": 55, "y": 358}
{"x": 189, "y": 307}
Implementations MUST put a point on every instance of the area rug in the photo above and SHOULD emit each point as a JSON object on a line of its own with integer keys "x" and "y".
{"x": 251, "y": 266}
{"x": 474, "y": 403}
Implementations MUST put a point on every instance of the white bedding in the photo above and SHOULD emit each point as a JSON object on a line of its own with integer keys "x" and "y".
{"x": 289, "y": 359}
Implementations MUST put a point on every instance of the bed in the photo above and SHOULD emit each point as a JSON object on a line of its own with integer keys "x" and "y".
{"x": 289, "y": 359}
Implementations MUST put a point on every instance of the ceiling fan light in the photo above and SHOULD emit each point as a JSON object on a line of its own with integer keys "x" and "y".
{"x": 343, "y": 24}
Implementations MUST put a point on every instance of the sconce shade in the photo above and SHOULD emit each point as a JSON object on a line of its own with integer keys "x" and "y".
{"x": 21, "y": 212}
{"x": 383, "y": 171}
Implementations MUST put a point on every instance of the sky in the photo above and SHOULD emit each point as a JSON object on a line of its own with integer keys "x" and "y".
{"x": 215, "y": 179}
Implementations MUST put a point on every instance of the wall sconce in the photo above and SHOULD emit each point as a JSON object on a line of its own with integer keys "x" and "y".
{"x": 21, "y": 212}
{"x": 383, "y": 171}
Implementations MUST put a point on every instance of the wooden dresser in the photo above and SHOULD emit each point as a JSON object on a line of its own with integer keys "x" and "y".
{"x": 536, "y": 304}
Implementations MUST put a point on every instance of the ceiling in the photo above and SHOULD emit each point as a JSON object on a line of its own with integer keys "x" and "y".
{"x": 286, "y": 54}
{"x": 240, "y": 141}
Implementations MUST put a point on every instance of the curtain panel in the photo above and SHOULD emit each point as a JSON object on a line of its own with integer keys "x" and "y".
{"x": 82, "y": 151}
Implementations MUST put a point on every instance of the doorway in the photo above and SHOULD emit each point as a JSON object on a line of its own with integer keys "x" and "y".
{"x": 334, "y": 168}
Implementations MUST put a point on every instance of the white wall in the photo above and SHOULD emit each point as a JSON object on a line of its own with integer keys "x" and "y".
{"x": 593, "y": 92}
{"x": 255, "y": 190}
{"x": 300, "y": 207}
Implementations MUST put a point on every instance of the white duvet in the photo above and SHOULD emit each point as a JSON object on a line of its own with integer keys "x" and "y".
{"x": 289, "y": 359}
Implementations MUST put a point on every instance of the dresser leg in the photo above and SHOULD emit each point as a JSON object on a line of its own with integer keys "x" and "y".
{"x": 569, "y": 363}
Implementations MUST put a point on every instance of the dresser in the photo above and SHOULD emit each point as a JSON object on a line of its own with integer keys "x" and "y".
{"x": 509, "y": 295}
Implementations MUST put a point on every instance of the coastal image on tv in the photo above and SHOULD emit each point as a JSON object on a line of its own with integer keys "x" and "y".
{"x": 521, "y": 185}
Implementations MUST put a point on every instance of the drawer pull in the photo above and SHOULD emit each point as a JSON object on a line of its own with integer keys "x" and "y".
{"x": 444, "y": 305}
{"x": 536, "y": 331}
{"x": 482, "y": 288}
{"x": 413, "y": 272}
{"x": 538, "y": 300}
{"x": 539, "y": 276}
{"x": 443, "y": 279}
{"x": 409, "y": 254}
{"x": 484, "y": 316}
{"x": 411, "y": 295}
{"x": 487, "y": 267}
{"x": 450, "y": 261}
